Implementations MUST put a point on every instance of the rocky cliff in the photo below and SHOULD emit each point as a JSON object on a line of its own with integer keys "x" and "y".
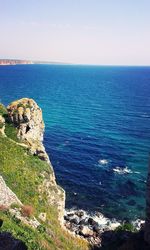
{"x": 26, "y": 116}
{"x": 31, "y": 202}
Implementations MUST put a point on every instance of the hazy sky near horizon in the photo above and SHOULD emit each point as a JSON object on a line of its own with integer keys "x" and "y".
{"x": 110, "y": 32}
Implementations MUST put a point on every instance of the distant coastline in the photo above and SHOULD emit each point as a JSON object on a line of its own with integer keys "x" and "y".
{"x": 4, "y": 62}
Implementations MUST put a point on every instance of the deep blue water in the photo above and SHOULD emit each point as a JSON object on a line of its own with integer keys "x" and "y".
{"x": 91, "y": 113}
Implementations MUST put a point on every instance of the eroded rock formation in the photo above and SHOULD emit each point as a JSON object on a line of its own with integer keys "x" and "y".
{"x": 26, "y": 116}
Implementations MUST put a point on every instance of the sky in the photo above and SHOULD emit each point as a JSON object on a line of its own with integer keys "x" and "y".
{"x": 103, "y": 32}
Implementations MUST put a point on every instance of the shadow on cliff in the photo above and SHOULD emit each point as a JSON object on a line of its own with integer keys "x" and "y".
{"x": 8, "y": 242}
{"x": 122, "y": 240}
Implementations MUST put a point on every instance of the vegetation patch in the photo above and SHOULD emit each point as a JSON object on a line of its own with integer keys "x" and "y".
{"x": 27, "y": 210}
{"x": 3, "y": 110}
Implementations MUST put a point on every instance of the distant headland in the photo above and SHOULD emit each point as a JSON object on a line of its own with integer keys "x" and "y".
{"x": 4, "y": 62}
{"x": 14, "y": 62}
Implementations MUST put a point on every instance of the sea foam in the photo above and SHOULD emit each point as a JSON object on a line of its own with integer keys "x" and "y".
{"x": 103, "y": 161}
{"x": 121, "y": 170}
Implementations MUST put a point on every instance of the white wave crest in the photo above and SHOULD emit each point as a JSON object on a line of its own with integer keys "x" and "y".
{"x": 98, "y": 217}
{"x": 121, "y": 170}
{"x": 103, "y": 161}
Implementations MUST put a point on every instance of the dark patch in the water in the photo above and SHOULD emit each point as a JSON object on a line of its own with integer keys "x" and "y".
{"x": 131, "y": 203}
{"x": 140, "y": 208}
{"x": 128, "y": 188}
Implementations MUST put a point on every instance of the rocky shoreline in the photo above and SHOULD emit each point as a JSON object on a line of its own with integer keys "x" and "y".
{"x": 94, "y": 228}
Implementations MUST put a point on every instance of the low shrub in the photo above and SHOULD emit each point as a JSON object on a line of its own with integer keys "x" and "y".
{"x": 27, "y": 210}
{"x": 3, "y": 208}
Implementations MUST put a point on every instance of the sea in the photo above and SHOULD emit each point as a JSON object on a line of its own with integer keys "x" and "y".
{"x": 97, "y": 131}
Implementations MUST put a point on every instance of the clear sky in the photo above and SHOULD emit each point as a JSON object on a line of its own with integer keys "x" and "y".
{"x": 111, "y": 32}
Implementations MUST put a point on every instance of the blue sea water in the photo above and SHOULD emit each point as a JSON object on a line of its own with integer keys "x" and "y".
{"x": 97, "y": 130}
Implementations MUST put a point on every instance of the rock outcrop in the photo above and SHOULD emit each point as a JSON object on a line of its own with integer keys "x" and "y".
{"x": 7, "y": 197}
{"x": 26, "y": 116}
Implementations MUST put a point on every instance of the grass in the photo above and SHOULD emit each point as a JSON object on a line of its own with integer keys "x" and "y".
{"x": 1, "y": 125}
{"x": 23, "y": 174}
{"x": 10, "y": 130}
{"x": 22, "y": 232}
{"x": 3, "y": 110}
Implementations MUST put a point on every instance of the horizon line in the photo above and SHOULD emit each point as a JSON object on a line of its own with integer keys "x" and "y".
{"x": 71, "y": 63}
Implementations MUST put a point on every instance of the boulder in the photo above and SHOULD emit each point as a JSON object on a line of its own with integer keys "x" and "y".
{"x": 91, "y": 221}
{"x": 86, "y": 231}
{"x": 79, "y": 213}
{"x": 75, "y": 220}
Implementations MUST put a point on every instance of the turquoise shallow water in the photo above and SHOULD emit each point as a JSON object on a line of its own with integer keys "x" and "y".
{"x": 97, "y": 130}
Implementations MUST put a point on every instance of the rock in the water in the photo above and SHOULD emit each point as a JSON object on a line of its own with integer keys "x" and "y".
{"x": 86, "y": 232}
{"x": 83, "y": 222}
{"x": 79, "y": 213}
{"x": 97, "y": 229}
{"x": 75, "y": 220}
{"x": 67, "y": 218}
{"x": 91, "y": 221}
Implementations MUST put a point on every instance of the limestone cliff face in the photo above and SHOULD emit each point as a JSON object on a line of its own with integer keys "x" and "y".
{"x": 7, "y": 197}
{"x": 26, "y": 116}
{"x": 147, "y": 222}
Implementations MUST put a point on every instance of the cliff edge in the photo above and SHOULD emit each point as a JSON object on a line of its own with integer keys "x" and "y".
{"x": 31, "y": 203}
{"x": 26, "y": 117}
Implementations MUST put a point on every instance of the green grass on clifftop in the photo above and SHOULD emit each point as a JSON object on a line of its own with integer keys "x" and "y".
{"x": 23, "y": 175}
{"x": 10, "y": 130}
